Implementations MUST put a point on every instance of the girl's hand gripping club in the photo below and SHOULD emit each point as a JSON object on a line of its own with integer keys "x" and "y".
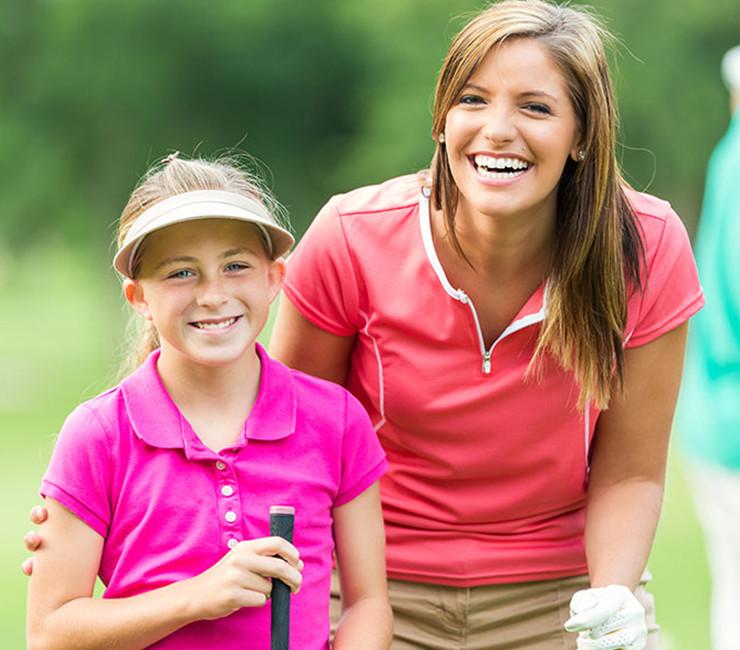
{"x": 281, "y": 525}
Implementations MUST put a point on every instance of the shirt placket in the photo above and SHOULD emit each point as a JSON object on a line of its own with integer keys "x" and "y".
{"x": 229, "y": 503}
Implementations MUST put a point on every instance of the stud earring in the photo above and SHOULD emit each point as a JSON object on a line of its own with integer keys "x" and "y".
{"x": 441, "y": 138}
{"x": 581, "y": 155}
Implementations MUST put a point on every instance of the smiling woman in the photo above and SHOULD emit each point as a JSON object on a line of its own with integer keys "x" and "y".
{"x": 513, "y": 320}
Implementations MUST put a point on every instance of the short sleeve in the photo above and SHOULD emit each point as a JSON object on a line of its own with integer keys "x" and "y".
{"x": 321, "y": 281}
{"x": 79, "y": 470}
{"x": 363, "y": 459}
{"x": 671, "y": 289}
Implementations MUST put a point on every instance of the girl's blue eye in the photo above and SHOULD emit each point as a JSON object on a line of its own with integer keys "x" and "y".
{"x": 181, "y": 274}
{"x": 236, "y": 266}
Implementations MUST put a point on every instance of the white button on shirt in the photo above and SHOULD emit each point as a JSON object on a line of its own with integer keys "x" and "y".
{"x": 232, "y": 542}
{"x": 230, "y": 516}
{"x": 220, "y": 465}
{"x": 227, "y": 490}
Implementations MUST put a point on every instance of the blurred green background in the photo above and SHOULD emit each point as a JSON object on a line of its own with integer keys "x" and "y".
{"x": 325, "y": 95}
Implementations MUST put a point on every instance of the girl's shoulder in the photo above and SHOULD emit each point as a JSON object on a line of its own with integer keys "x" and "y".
{"x": 96, "y": 417}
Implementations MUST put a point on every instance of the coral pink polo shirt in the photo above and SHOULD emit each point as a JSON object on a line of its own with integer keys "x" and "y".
{"x": 486, "y": 479}
{"x": 130, "y": 466}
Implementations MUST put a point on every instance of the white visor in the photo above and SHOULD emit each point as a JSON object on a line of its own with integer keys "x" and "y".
{"x": 201, "y": 204}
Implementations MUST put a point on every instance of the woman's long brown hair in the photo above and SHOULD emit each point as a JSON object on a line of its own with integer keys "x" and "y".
{"x": 598, "y": 251}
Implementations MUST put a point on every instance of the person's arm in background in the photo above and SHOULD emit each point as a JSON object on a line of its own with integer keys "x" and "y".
{"x": 625, "y": 493}
{"x": 301, "y": 345}
{"x": 628, "y": 462}
{"x": 366, "y": 622}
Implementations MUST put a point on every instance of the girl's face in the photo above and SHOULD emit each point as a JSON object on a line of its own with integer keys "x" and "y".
{"x": 510, "y": 133}
{"x": 207, "y": 286}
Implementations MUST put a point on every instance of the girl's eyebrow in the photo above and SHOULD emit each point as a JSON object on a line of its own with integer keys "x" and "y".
{"x": 174, "y": 260}
{"x": 237, "y": 251}
{"x": 191, "y": 260}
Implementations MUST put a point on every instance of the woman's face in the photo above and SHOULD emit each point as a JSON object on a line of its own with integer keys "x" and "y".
{"x": 510, "y": 132}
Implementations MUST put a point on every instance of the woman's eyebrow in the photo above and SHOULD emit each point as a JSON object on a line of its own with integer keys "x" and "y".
{"x": 538, "y": 93}
{"x": 526, "y": 93}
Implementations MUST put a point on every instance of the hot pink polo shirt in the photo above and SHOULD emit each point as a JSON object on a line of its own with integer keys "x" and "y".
{"x": 130, "y": 466}
{"x": 486, "y": 479}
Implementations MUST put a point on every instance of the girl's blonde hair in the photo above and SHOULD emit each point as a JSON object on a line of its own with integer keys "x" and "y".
{"x": 598, "y": 251}
{"x": 175, "y": 175}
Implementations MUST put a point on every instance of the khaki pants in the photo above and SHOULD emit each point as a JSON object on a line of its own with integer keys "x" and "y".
{"x": 491, "y": 617}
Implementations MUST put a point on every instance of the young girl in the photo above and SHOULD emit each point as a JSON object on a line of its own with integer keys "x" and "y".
{"x": 162, "y": 485}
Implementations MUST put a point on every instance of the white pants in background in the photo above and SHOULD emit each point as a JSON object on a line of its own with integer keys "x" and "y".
{"x": 717, "y": 497}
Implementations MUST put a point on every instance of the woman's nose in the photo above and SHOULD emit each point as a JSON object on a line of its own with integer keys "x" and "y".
{"x": 499, "y": 127}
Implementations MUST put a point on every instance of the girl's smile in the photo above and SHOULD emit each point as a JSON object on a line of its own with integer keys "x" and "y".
{"x": 215, "y": 325}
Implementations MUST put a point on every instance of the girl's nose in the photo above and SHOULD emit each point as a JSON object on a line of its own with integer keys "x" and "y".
{"x": 212, "y": 293}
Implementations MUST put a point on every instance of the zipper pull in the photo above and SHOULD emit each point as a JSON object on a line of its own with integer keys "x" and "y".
{"x": 487, "y": 363}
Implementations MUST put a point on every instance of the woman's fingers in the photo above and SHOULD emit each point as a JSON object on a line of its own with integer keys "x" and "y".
{"x": 38, "y": 515}
{"x": 32, "y": 540}
{"x": 27, "y": 566}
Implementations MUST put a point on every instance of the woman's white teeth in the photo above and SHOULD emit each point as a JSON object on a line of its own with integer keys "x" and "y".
{"x": 491, "y": 167}
{"x": 215, "y": 325}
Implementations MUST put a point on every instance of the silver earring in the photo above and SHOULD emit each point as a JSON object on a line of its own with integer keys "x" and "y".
{"x": 441, "y": 138}
{"x": 581, "y": 155}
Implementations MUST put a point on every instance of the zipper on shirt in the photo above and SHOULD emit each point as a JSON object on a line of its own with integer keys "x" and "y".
{"x": 485, "y": 354}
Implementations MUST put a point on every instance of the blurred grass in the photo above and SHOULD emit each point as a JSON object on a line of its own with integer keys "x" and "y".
{"x": 63, "y": 323}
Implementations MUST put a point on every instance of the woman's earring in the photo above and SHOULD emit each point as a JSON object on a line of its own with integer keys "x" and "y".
{"x": 441, "y": 138}
{"x": 581, "y": 155}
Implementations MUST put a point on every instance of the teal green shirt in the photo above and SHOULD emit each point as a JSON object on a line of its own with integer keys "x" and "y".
{"x": 709, "y": 409}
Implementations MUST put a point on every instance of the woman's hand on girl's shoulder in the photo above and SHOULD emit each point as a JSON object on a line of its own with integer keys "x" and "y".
{"x": 241, "y": 578}
{"x": 32, "y": 539}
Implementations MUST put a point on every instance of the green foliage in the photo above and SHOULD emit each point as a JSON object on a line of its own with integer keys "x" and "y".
{"x": 327, "y": 95}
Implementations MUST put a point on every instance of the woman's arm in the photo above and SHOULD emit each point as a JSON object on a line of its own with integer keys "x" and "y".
{"x": 303, "y": 346}
{"x": 62, "y": 613}
{"x": 367, "y": 621}
{"x": 629, "y": 460}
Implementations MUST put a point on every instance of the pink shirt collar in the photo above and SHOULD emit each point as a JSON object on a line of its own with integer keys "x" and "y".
{"x": 157, "y": 421}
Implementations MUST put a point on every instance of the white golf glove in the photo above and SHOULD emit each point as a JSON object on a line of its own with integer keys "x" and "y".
{"x": 607, "y": 618}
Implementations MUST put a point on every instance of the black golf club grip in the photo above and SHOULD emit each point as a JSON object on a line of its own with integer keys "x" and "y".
{"x": 281, "y": 525}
